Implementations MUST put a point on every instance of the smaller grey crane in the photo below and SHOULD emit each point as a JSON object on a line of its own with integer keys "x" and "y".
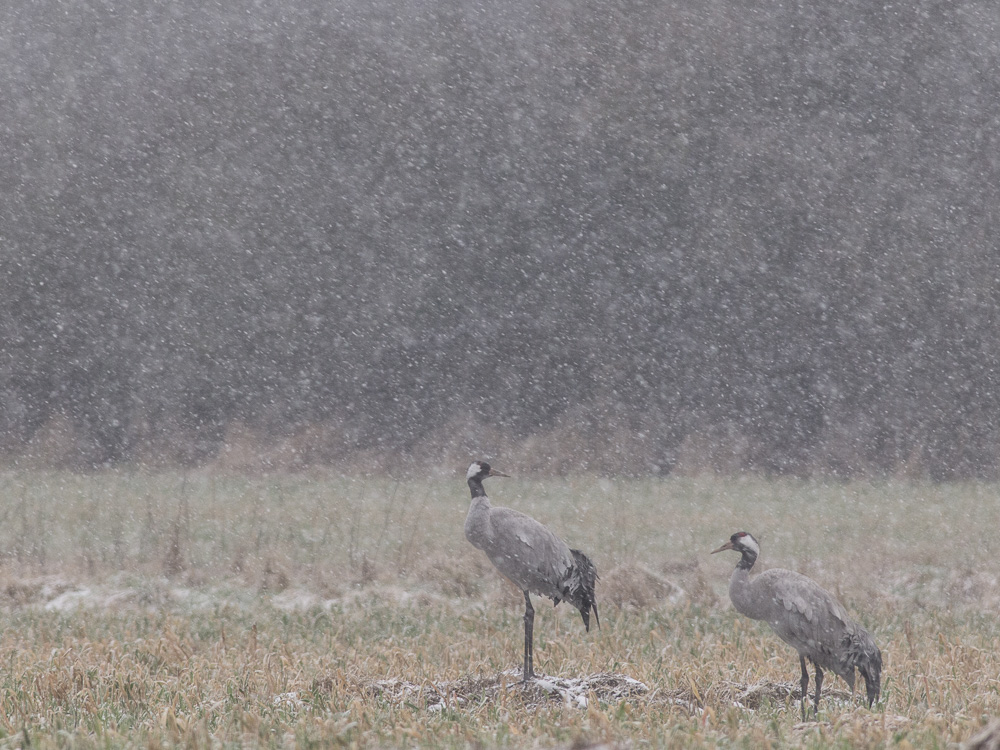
{"x": 531, "y": 556}
{"x": 806, "y": 617}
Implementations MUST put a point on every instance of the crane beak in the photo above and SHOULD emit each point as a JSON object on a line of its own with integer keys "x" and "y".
{"x": 495, "y": 473}
{"x": 724, "y": 547}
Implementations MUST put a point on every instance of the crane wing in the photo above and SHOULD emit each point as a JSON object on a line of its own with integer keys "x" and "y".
{"x": 806, "y": 615}
{"x": 797, "y": 593}
{"x": 527, "y": 552}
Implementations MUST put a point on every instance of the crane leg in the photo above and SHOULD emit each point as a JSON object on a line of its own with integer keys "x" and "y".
{"x": 819, "y": 686}
{"x": 529, "y": 624}
{"x": 805, "y": 685}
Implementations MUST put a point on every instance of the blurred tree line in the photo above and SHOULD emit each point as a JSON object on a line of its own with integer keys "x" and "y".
{"x": 759, "y": 236}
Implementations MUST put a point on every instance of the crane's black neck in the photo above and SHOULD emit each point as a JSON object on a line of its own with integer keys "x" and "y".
{"x": 476, "y": 485}
{"x": 747, "y": 560}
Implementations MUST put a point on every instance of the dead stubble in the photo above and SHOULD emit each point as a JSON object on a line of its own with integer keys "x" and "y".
{"x": 163, "y": 610}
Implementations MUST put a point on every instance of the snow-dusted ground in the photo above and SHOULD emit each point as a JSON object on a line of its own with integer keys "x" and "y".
{"x": 575, "y": 692}
{"x": 61, "y": 594}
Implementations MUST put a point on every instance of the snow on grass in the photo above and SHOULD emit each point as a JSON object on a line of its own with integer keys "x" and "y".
{"x": 575, "y": 692}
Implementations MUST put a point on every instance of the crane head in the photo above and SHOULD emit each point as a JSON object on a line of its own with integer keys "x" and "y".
{"x": 481, "y": 469}
{"x": 740, "y": 541}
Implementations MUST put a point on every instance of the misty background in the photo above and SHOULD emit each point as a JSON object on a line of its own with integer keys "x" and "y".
{"x": 637, "y": 237}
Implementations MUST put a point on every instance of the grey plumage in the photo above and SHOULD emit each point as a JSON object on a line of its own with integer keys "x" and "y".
{"x": 806, "y": 617}
{"x": 530, "y": 555}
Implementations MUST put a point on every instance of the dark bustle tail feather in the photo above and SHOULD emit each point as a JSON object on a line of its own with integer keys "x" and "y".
{"x": 871, "y": 670}
{"x": 865, "y": 655}
{"x": 579, "y": 587}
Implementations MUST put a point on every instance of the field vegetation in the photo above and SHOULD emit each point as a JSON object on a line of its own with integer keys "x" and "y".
{"x": 207, "y": 610}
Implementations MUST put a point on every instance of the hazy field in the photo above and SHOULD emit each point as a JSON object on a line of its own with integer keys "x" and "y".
{"x": 159, "y": 610}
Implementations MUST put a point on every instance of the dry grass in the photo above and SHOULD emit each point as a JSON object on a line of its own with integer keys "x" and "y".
{"x": 168, "y": 610}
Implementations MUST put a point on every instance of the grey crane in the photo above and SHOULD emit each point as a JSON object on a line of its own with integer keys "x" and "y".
{"x": 530, "y": 555}
{"x": 806, "y": 617}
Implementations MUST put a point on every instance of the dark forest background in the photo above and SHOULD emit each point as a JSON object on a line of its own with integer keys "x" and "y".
{"x": 643, "y": 236}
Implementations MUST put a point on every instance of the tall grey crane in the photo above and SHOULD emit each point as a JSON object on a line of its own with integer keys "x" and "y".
{"x": 806, "y": 617}
{"x": 531, "y": 556}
